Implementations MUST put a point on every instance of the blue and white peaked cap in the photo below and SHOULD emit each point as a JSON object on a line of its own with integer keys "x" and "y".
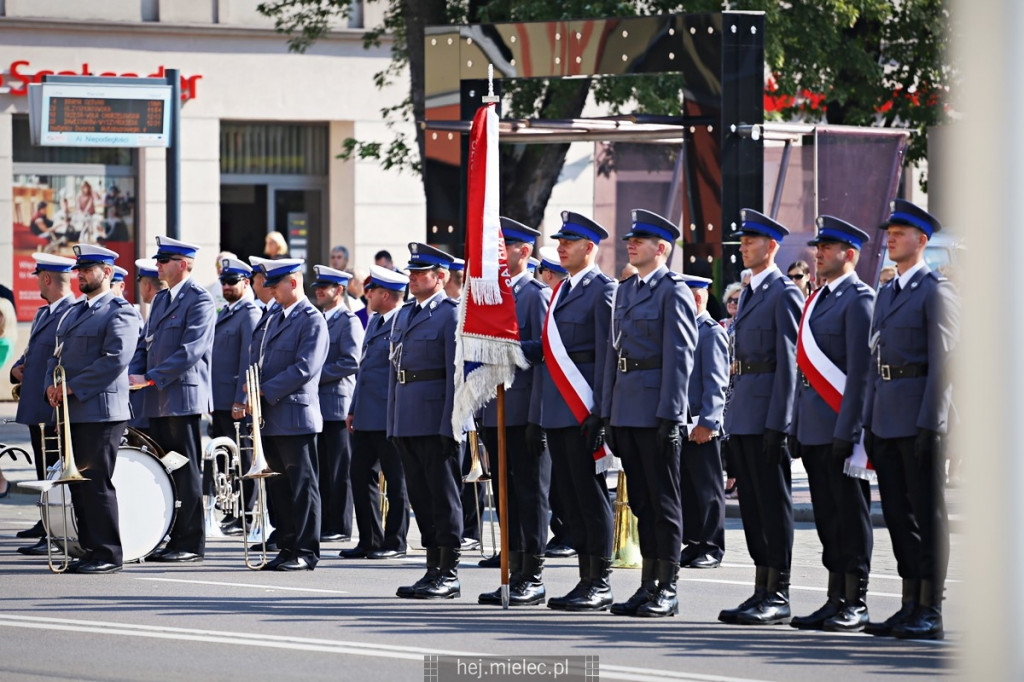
{"x": 146, "y": 267}
{"x": 47, "y": 262}
{"x": 276, "y": 270}
{"x": 386, "y": 278}
{"x": 92, "y": 254}
{"x": 756, "y": 224}
{"x": 326, "y": 276}
{"x": 165, "y": 246}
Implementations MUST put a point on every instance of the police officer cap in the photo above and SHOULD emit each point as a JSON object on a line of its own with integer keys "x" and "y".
{"x": 424, "y": 257}
{"x": 458, "y": 265}
{"x": 386, "y": 278}
{"x": 329, "y": 277}
{"x": 647, "y": 224}
{"x": 119, "y": 274}
{"x": 549, "y": 259}
{"x": 50, "y": 263}
{"x": 146, "y": 267}
{"x": 754, "y": 224}
{"x": 832, "y": 229}
{"x": 91, "y": 254}
{"x": 532, "y": 264}
{"x": 165, "y": 246}
{"x": 256, "y": 262}
{"x": 695, "y": 282}
{"x": 276, "y": 270}
{"x": 232, "y": 267}
{"x": 575, "y": 227}
{"x": 903, "y": 212}
{"x": 515, "y": 231}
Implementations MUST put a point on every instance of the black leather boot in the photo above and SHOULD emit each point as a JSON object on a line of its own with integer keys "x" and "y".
{"x": 760, "y": 589}
{"x": 515, "y": 566}
{"x": 774, "y": 608}
{"x": 833, "y": 605}
{"x": 854, "y": 615}
{"x": 445, "y": 585}
{"x": 664, "y": 601}
{"x": 558, "y": 603}
{"x": 433, "y": 565}
{"x": 648, "y": 585}
{"x": 598, "y": 595}
{"x": 528, "y": 589}
{"x": 911, "y": 592}
{"x": 926, "y": 621}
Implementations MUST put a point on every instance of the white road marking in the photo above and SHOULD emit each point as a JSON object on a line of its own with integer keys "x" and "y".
{"x": 269, "y": 588}
{"x": 263, "y": 640}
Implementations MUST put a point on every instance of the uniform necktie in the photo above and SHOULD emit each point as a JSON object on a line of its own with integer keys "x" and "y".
{"x": 744, "y": 297}
{"x": 567, "y": 288}
{"x": 824, "y": 293}
{"x": 640, "y": 284}
{"x": 896, "y": 288}
{"x": 416, "y": 308}
{"x": 379, "y": 324}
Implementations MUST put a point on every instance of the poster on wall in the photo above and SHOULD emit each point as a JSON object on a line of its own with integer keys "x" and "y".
{"x": 52, "y": 213}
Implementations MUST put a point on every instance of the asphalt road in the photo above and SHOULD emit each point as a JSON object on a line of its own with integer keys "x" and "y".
{"x": 218, "y": 621}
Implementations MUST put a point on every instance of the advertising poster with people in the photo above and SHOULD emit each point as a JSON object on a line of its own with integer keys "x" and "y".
{"x": 52, "y": 213}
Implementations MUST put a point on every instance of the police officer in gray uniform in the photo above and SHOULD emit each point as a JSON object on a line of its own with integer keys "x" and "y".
{"x": 529, "y": 463}
{"x": 173, "y": 360}
{"x": 700, "y": 473}
{"x": 150, "y": 285}
{"x": 914, "y": 329}
{"x": 653, "y": 335}
{"x": 372, "y": 451}
{"x": 96, "y": 338}
{"x": 54, "y": 280}
{"x": 290, "y": 358}
{"x": 760, "y": 417}
{"x": 829, "y": 423}
{"x": 231, "y": 338}
{"x": 582, "y": 315}
{"x": 337, "y": 382}
{"x": 421, "y": 391}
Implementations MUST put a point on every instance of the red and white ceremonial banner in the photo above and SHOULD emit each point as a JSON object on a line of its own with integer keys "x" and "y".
{"x": 829, "y": 381}
{"x": 487, "y": 349}
{"x": 570, "y": 382}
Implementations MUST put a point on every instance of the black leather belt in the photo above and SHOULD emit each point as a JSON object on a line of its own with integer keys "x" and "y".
{"x": 890, "y": 372}
{"x": 582, "y": 357}
{"x": 630, "y": 364}
{"x": 741, "y": 367}
{"x": 408, "y": 376}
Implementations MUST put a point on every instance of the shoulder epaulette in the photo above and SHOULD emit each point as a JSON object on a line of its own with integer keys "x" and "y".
{"x": 310, "y": 311}
{"x": 121, "y": 302}
{"x": 451, "y": 301}
{"x": 937, "y": 276}
{"x": 603, "y": 277}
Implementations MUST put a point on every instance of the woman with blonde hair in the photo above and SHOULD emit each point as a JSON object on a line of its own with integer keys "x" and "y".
{"x": 275, "y": 247}
{"x": 8, "y": 337}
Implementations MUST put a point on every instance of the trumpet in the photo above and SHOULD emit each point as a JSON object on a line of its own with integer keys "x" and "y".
{"x": 221, "y": 452}
{"x": 260, "y": 471}
{"x": 480, "y": 472}
{"x": 16, "y": 391}
{"x": 382, "y": 491}
{"x": 59, "y": 562}
{"x": 626, "y": 543}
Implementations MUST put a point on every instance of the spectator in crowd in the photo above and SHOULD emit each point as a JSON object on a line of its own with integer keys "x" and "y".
{"x": 8, "y": 337}
{"x": 339, "y": 258}
{"x": 886, "y": 275}
{"x": 800, "y": 273}
{"x": 383, "y": 259}
{"x": 274, "y": 246}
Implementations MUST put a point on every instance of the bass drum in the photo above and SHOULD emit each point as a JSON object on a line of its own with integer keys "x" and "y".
{"x": 146, "y": 504}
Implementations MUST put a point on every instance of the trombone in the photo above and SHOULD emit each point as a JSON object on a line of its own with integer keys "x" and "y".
{"x": 259, "y": 471}
{"x": 625, "y": 544}
{"x": 480, "y": 472}
{"x": 58, "y": 562}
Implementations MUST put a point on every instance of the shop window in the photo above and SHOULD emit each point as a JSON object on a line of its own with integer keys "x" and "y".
{"x": 25, "y": 152}
{"x": 273, "y": 149}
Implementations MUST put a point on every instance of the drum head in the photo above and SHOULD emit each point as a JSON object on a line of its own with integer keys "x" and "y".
{"x": 134, "y": 438}
{"x": 145, "y": 501}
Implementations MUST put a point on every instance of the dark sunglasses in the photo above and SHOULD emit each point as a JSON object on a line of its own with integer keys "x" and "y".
{"x": 166, "y": 259}
{"x": 798, "y": 276}
{"x": 231, "y": 280}
{"x": 734, "y": 299}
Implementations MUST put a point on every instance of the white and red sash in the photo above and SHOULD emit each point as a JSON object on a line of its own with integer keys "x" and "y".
{"x": 569, "y": 381}
{"x": 829, "y": 382}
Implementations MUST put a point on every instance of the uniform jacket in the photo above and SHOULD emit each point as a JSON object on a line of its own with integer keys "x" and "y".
{"x": 765, "y": 332}
{"x": 841, "y": 324}
{"x": 427, "y": 342}
{"x": 259, "y": 332}
{"x": 175, "y": 352}
{"x": 654, "y": 322}
{"x": 338, "y": 377}
{"x": 33, "y": 408}
{"x": 96, "y": 344}
{"x": 583, "y": 318}
{"x": 919, "y": 326}
{"x": 710, "y": 376}
{"x": 531, "y": 306}
{"x": 231, "y": 339}
{"x": 370, "y": 397}
{"x": 293, "y": 355}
